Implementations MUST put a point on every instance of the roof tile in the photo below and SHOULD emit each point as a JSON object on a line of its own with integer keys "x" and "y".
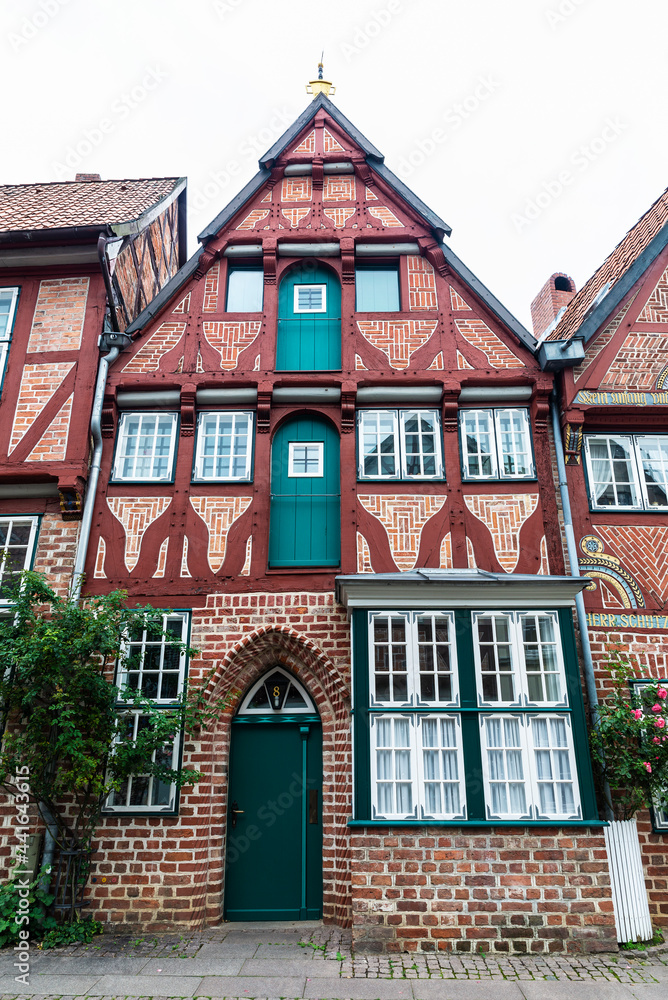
{"x": 613, "y": 267}
{"x": 79, "y": 203}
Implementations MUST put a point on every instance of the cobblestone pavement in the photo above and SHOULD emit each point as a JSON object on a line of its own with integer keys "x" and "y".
{"x": 305, "y": 960}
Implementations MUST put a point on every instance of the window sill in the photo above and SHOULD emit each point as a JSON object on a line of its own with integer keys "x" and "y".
{"x": 477, "y": 822}
{"x": 301, "y": 569}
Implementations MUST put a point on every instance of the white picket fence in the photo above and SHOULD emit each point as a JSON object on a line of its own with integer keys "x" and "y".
{"x": 629, "y": 895}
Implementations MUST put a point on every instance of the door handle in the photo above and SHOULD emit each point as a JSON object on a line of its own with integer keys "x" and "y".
{"x": 235, "y": 810}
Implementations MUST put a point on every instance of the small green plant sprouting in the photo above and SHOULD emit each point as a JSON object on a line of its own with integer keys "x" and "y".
{"x": 340, "y": 957}
{"x": 72, "y": 932}
{"x": 657, "y": 938}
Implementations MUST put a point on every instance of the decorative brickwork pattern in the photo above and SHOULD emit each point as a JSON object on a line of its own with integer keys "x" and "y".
{"x": 267, "y": 199}
{"x": 296, "y": 189}
{"x": 599, "y": 342}
{"x": 462, "y": 362}
{"x": 456, "y": 301}
{"x": 655, "y": 309}
{"x": 58, "y": 319}
{"x": 56, "y": 551}
{"x": 256, "y": 365}
{"x": 369, "y": 195}
{"x": 438, "y": 364}
{"x": 184, "y": 305}
{"x": 643, "y": 550}
{"x": 38, "y": 385}
{"x": 641, "y": 359}
{"x": 399, "y": 338}
{"x": 330, "y": 144}
{"x": 504, "y": 515}
{"x": 307, "y": 145}
{"x": 247, "y": 561}
{"x": 505, "y": 890}
{"x": 219, "y": 514}
{"x": 421, "y": 284}
{"x": 445, "y": 554}
{"x": 162, "y": 560}
{"x": 403, "y": 516}
{"x": 185, "y": 572}
{"x": 210, "y": 303}
{"x": 135, "y": 515}
{"x": 99, "y": 573}
{"x": 609, "y": 597}
{"x": 359, "y": 364}
{"x": 384, "y": 215}
{"x": 338, "y": 188}
{"x": 252, "y": 219}
{"x": 52, "y": 445}
{"x": 363, "y": 555}
{"x": 479, "y": 335}
{"x": 339, "y": 216}
{"x": 165, "y": 338}
{"x": 295, "y": 215}
{"x": 470, "y": 554}
{"x": 230, "y": 339}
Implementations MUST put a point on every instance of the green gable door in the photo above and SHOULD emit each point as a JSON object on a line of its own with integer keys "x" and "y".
{"x": 309, "y": 320}
{"x": 305, "y": 516}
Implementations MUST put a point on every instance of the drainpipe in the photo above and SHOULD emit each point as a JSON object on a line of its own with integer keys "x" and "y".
{"x": 571, "y": 547}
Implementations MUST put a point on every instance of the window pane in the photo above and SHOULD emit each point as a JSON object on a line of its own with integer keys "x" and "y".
{"x": 377, "y": 289}
{"x": 653, "y": 454}
{"x": 503, "y": 750}
{"x": 17, "y": 538}
{"x": 378, "y": 443}
{"x": 541, "y": 663}
{"x": 477, "y": 444}
{"x": 224, "y": 442}
{"x": 146, "y": 445}
{"x": 443, "y": 791}
{"x": 157, "y": 666}
{"x": 421, "y": 442}
{"x": 495, "y": 652}
{"x": 553, "y": 766}
{"x": 435, "y": 655}
{"x": 611, "y": 471}
{"x": 393, "y": 790}
{"x": 513, "y": 443}
{"x": 244, "y": 289}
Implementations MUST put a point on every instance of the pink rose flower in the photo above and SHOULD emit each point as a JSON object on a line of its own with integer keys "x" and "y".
{"x": 636, "y": 713}
{"x": 657, "y": 708}
{"x": 662, "y": 693}
{"x": 656, "y": 740}
{"x": 660, "y": 722}
{"x": 648, "y": 766}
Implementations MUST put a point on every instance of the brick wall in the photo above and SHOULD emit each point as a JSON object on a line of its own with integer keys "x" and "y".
{"x": 56, "y": 551}
{"x": 59, "y": 315}
{"x": 549, "y": 301}
{"x": 650, "y": 650}
{"x": 518, "y": 891}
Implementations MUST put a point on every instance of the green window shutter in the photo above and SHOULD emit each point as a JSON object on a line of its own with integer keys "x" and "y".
{"x": 309, "y": 341}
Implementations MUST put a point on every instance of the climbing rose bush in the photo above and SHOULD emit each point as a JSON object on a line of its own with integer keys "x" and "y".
{"x": 629, "y": 742}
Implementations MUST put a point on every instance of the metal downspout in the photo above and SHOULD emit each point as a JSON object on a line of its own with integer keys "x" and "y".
{"x": 588, "y": 663}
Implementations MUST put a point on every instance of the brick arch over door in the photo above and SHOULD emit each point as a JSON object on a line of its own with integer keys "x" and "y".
{"x": 245, "y": 663}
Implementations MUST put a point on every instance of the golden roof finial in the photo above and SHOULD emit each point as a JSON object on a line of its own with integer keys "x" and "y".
{"x": 320, "y": 86}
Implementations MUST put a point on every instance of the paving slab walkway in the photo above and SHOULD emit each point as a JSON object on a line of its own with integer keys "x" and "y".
{"x": 315, "y": 962}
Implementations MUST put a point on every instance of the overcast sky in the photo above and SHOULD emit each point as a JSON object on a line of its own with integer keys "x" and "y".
{"x": 536, "y": 128}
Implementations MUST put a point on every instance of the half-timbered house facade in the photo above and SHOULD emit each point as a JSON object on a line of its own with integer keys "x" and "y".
{"x": 614, "y": 412}
{"x": 328, "y": 459}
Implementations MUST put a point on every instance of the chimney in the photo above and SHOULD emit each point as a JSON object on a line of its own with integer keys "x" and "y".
{"x": 556, "y": 293}
{"x": 87, "y": 177}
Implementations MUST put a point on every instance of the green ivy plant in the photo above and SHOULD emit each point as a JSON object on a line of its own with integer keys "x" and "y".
{"x": 65, "y": 723}
{"x": 629, "y": 741}
{"x": 35, "y": 918}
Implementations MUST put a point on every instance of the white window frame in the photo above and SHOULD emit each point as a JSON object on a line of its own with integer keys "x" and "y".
{"x": 530, "y": 780}
{"x": 128, "y": 807}
{"x": 637, "y": 483}
{"x": 399, "y": 420}
{"x": 200, "y": 458}
{"x": 496, "y": 453}
{"x": 414, "y": 697}
{"x": 323, "y": 303}
{"x": 292, "y": 473}
{"x": 6, "y": 337}
{"x": 121, "y": 447}
{"x": 10, "y": 520}
{"x": 416, "y": 778}
{"x": 127, "y": 667}
{"x": 518, "y": 660}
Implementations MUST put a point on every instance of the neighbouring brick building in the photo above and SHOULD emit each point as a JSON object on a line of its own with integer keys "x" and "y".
{"x": 328, "y": 457}
{"x": 615, "y": 425}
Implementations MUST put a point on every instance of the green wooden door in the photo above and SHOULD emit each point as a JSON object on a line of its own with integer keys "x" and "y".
{"x": 305, "y": 517}
{"x": 308, "y": 337}
{"x": 274, "y": 852}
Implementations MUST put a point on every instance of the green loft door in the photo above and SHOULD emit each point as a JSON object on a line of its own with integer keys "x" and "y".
{"x": 308, "y": 337}
{"x": 274, "y": 853}
{"x": 305, "y": 514}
